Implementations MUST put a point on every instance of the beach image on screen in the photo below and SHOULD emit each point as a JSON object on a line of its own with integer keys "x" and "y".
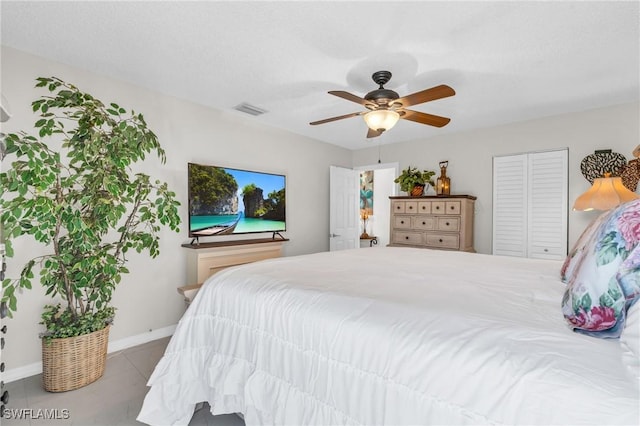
{"x": 224, "y": 201}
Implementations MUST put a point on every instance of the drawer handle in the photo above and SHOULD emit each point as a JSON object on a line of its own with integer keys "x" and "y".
{"x": 398, "y": 207}
{"x": 406, "y": 238}
{"x": 452, "y": 208}
{"x": 402, "y": 222}
{"x": 440, "y": 240}
{"x": 424, "y": 208}
{"x": 437, "y": 207}
{"x": 424, "y": 223}
{"x": 447, "y": 223}
{"x": 546, "y": 250}
{"x": 410, "y": 207}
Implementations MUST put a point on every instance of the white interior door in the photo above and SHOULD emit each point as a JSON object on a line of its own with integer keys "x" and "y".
{"x": 344, "y": 214}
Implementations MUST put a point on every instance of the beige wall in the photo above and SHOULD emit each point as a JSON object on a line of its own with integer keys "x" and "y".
{"x": 147, "y": 299}
{"x": 470, "y": 155}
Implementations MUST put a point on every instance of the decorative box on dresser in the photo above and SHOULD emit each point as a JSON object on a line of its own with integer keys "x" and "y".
{"x": 439, "y": 222}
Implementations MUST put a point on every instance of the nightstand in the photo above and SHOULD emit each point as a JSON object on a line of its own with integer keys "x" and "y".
{"x": 189, "y": 292}
{"x": 205, "y": 259}
{"x": 368, "y": 242}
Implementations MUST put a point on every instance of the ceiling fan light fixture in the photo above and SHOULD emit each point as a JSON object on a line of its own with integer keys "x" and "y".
{"x": 381, "y": 119}
{"x": 385, "y": 107}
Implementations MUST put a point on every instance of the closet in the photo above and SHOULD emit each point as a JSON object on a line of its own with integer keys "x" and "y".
{"x": 530, "y": 204}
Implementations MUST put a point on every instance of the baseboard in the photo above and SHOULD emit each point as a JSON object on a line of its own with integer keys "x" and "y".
{"x": 139, "y": 339}
{"x": 13, "y": 374}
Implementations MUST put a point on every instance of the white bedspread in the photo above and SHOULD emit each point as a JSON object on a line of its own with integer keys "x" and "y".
{"x": 389, "y": 336}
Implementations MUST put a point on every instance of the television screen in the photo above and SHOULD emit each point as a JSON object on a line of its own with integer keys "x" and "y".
{"x": 225, "y": 201}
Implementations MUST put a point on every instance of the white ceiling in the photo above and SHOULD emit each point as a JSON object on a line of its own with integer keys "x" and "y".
{"x": 507, "y": 61}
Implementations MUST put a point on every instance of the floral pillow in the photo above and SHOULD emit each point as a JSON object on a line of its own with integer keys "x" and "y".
{"x": 576, "y": 255}
{"x": 606, "y": 280}
{"x": 630, "y": 341}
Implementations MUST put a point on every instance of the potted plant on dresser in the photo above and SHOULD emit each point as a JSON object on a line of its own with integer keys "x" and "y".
{"x": 414, "y": 181}
{"x": 73, "y": 190}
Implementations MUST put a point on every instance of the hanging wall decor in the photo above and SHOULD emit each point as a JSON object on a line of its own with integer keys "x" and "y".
{"x": 366, "y": 191}
{"x": 600, "y": 162}
{"x": 631, "y": 172}
{"x": 631, "y": 175}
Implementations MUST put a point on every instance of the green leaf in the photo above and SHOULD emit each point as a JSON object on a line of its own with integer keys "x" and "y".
{"x": 585, "y": 302}
{"x": 77, "y": 200}
{"x": 606, "y": 255}
{"x": 13, "y": 302}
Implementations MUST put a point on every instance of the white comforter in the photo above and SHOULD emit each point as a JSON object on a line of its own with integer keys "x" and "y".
{"x": 389, "y": 336}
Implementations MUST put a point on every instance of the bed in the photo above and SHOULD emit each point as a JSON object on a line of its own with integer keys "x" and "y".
{"x": 390, "y": 336}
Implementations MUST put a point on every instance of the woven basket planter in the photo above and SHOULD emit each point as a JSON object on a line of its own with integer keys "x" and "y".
{"x": 73, "y": 362}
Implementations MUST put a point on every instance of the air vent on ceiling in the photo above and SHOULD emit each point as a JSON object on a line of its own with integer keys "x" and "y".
{"x": 249, "y": 109}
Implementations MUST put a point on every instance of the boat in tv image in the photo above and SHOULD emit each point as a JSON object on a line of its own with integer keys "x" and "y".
{"x": 226, "y": 201}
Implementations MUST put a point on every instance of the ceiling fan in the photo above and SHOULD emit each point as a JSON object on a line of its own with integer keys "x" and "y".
{"x": 385, "y": 107}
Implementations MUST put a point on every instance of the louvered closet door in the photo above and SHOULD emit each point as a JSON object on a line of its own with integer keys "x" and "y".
{"x": 510, "y": 205}
{"x": 548, "y": 204}
{"x": 530, "y": 205}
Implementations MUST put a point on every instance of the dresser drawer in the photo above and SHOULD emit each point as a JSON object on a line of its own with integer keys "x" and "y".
{"x": 397, "y": 207}
{"x": 424, "y": 207}
{"x": 410, "y": 206}
{"x": 413, "y": 238}
{"x": 437, "y": 207}
{"x": 402, "y": 222}
{"x": 423, "y": 222}
{"x": 448, "y": 224}
{"x": 443, "y": 241}
{"x": 452, "y": 207}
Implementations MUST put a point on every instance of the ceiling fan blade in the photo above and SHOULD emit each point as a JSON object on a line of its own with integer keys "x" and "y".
{"x": 340, "y": 117}
{"x": 423, "y": 118}
{"x": 438, "y": 92}
{"x": 373, "y": 133}
{"x": 350, "y": 97}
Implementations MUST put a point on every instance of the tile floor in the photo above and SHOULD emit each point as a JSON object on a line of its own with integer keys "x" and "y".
{"x": 115, "y": 399}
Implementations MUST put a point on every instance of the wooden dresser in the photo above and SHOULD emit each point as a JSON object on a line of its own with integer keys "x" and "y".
{"x": 438, "y": 222}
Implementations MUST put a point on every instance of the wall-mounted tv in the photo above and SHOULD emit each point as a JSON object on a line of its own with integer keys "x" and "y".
{"x": 226, "y": 201}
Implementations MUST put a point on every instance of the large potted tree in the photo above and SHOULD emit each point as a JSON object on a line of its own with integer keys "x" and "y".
{"x": 73, "y": 189}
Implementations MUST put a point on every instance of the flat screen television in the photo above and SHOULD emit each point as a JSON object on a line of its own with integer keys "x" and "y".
{"x": 226, "y": 201}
